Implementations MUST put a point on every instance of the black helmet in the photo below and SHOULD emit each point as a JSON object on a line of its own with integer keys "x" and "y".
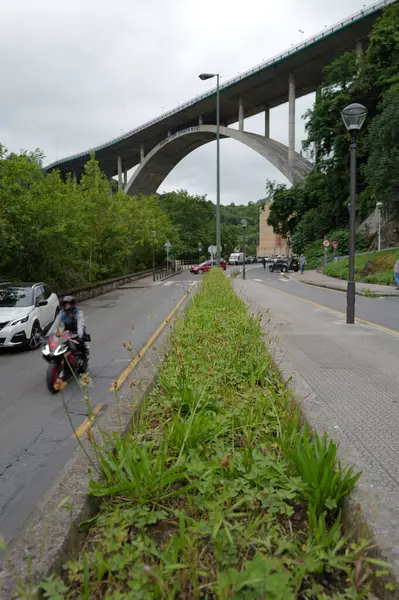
{"x": 68, "y": 302}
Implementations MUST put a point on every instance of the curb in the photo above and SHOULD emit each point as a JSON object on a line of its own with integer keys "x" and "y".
{"x": 338, "y": 289}
{"x": 51, "y": 535}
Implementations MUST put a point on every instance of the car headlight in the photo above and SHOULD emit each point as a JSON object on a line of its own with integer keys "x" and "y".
{"x": 21, "y": 320}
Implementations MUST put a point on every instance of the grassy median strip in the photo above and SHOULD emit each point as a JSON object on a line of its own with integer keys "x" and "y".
{"x": 218, "y": 493}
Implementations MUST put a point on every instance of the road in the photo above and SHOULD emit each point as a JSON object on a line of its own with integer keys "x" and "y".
{"x": 35, "y": 435}
{"x": 379, "y": 311}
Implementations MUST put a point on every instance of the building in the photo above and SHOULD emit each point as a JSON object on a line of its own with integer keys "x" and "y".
{"x": 269, "y": 242}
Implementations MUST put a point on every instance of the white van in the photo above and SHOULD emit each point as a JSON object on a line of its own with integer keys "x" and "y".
{"x": 237, "y": 258}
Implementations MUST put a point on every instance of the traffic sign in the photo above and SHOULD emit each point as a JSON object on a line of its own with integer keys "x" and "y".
{"x": 335, "y": 244}
{"x": 212, "y": 250}
{"x": 326, "y": 243}
{"x": 167, "y": 246}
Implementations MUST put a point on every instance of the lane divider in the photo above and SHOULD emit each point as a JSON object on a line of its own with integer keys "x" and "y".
{"x": 83, "y": 427}
{"x": 125, "y": 374}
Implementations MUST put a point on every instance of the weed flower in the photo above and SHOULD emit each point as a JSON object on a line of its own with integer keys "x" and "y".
{"x": 60, "y": 385}
{"x": 86, "y": 380}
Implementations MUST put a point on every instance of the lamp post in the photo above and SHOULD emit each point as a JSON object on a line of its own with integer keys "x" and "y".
{"x": 244, "y": 224}
{"x": 379, "y": 206}
{"x": 204, "y": 77}
{"x": 353, "y": 116}
{"x": 153, "y": 235}
{"x": 199, "y": 252}
{"x": 167, "y": 247}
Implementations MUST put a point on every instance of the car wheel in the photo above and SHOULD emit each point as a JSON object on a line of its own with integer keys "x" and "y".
{"x": 35, "y": 339}
{"x": 271, "y": 269}
{"x": 284, "y": 269}
{"x": 296, "y": 270}
{"x": 201, "y": 272}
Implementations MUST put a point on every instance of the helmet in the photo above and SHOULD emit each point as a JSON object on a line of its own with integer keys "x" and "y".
{"x": 68, "y": 303}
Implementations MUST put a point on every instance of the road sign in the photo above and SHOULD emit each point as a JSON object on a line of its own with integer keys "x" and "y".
{"x": 167, "y": 246}
{"x": 335, "y": 245}
{"x": 212, "y": 250}
{"x": 326, "y": 243}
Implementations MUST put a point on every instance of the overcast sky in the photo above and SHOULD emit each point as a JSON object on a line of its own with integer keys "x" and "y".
{"x": 77, "y": 73}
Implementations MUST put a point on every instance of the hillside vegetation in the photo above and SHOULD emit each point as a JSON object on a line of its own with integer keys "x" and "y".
{"x": 318, "y": 205}
{"x": 370, "y": 268}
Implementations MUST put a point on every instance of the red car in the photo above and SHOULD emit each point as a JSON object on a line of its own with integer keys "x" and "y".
{"x": 206, "y": 266}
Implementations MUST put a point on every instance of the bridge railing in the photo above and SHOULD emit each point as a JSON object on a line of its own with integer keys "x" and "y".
{"x": 309, "y": 41}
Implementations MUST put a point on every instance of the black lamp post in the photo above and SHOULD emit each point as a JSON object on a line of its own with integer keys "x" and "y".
{"x": 153, "y": 235}
{"x": 353, "y": 116}
{"x": 244, "y": 224}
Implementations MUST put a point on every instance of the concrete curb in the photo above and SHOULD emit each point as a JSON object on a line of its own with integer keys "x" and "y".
{"x": 51, "y": 536}
{"x": 359, "y": 518}
{"x": 359, "y": 292}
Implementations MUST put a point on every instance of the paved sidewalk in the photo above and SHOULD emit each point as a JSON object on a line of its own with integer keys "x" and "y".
{"x": 348, "y": 377}
{"x": 321, "y": 280}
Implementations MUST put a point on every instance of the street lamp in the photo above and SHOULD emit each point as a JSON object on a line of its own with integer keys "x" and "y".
{"x": 353, "y": 116}
{"x": 167, "y": 247}
{"x": 244, "y": 224}
{"x": 379, "y": 206}
{"x": 153, "y": 235}
{"x": 199, "y": 252}
{"x": 204, "y": 77}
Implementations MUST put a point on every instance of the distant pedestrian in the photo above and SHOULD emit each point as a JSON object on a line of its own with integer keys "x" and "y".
{"x": 264, "y": 262}
{"x": 302, "y": 263}
{"x": 396, "y": 273}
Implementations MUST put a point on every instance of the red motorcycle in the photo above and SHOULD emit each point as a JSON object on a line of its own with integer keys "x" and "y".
{"x": 65, "y": 359}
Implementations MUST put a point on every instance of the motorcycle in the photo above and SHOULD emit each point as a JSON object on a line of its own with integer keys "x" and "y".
{"x": 65, "y": 358}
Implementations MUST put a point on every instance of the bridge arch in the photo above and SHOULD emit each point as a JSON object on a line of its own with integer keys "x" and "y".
{"x": 161, "y": 160}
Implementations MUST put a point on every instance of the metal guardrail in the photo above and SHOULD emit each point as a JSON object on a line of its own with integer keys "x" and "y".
{"x": 364, "y": 253}
{"x": 308, "y": 42}
{"x": 98, "y": 288}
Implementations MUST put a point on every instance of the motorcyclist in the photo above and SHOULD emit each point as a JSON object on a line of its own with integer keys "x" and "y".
{"x": 71, "y": 319}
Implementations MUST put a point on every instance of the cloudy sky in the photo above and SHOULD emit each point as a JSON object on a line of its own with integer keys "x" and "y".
{"x": 77, "y": 73}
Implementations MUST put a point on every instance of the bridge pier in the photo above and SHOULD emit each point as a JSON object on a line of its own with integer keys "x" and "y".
{"x": 291, "y": 119}
{"x": 267, "y": 121}
{"x": 74, "y": 177}
{"x": 200, "y": 120}
{"x": 240, "y": 114}
{"x": 142, "y": 155}
{"x": 124, "y": 177}
{"x": 119, "y": 172}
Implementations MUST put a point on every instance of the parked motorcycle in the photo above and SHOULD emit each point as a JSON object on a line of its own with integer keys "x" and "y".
{"x": 65, "y": 359}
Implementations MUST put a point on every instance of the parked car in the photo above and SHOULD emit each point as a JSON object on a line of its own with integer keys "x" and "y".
{"x": 206, "y": 266}
{"x": 27, "y": 310}
{"x": 284, "y": 265}
{"x": 236, "y": 258}
{"x": 251, "y": 260}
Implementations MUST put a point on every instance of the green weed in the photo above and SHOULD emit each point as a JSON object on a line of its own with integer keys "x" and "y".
{"x": 217, "y": 493}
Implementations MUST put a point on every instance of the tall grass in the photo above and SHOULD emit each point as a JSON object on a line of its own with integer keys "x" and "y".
{"x": 218, "y": 493}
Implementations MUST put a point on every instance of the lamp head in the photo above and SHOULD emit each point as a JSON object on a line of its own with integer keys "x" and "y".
{"x": 354, "y": 116}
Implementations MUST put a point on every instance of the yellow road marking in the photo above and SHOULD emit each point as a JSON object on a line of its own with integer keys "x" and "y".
{"x": 83, "y": 427}
{"x": 340, "y": 312}
{"x": 125, "y": 374}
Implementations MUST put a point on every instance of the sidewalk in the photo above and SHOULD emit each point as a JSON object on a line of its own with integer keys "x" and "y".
{"x": 321, "y": 280}
{"x": 348, "y": 377}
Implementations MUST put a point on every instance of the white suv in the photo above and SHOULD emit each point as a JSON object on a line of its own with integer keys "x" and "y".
{"x": 26, "y": 311}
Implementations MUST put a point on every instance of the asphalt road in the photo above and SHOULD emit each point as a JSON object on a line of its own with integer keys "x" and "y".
{"x": 380, "y": 311}
{"x": 35, "y": 435}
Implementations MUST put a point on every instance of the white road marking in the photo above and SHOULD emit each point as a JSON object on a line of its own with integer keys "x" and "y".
{"x": 260, "y": 280}
{"x": 169, "y": 283}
